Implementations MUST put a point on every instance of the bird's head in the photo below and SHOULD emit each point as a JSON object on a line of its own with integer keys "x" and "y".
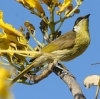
{"x": 81, "y": 23}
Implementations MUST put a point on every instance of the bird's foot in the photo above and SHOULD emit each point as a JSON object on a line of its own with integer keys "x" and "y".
{"x": 60, "y": 70}
{"x": 66, "y": 72}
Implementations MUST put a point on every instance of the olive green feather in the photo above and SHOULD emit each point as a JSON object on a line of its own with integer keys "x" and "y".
{"x": 65, "y": 41}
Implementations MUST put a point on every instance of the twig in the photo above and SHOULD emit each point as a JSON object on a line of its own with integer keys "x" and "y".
{"x": 30, "y": 47}
{"x": 69, "y": 14}
{"x": 60, "y": 26}
{"x": 19, "y": 81}
{"x": 11, "y": 64}
{"x": 97, "y": 90}
{"x": 30, "y": 56}
{"x": 4, "y": 63}
{"x": 44, "y": 74}
{"x": 4, "y": 59}
{"x": 19, "y": 51}
{"x": 95, "y": 63}
{"x": 52, "y": 13}
{"x": 51, "y": 22}
{"x": 62, "y": 19}
{"x": 37, "y": 41}
{"x": 33, "y": 12}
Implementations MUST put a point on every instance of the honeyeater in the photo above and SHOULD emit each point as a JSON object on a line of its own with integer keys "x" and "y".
{"x": 66, "y": 47}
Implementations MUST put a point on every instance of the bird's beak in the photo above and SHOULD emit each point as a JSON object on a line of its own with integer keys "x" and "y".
{"x": 87, "y": 16}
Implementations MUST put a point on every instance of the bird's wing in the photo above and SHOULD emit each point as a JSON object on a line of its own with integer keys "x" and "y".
{"x": 65, "y": 41}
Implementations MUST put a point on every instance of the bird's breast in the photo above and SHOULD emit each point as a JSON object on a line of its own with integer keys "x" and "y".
{"x": 81, "y": 44}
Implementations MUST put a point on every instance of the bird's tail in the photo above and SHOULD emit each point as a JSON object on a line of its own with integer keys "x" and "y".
{"x": 34, "y": 56}
{"x": 37, "y": 62}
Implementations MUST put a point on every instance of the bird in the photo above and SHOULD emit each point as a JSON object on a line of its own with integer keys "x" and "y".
{"x": 71, "y": 44}
{"x": 65, "y": 48}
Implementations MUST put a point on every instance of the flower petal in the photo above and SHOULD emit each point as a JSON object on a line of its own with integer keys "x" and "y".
{"x": 32, "y": 4}
{"x": 10, "y": 34}
{"x": 8, "y": 28}
{"x": 65, "y": 4}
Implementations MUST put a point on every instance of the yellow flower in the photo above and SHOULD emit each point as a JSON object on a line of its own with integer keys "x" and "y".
{"x": 32, "y": 4}
{"x": 4, "y": 86}
{"x": 9, "y": 35}
{"x": 7, "y": 28}
{"x": 65, "y": 4}
{"x": 10, "y": 42}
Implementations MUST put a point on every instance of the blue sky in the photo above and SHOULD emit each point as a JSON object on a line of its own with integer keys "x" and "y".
{"x": 53, "y": 87}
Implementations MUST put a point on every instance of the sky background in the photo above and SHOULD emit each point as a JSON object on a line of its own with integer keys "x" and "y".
{"x": 53, "y": 87}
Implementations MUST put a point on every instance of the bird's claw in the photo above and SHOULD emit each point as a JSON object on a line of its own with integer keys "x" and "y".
{"x": 66, "y": 72}
{"x": 63, "y": 71}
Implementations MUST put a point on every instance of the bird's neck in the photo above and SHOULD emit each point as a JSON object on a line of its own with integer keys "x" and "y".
{"x": 81, "y": 30}
{"x": 83, "y": 36}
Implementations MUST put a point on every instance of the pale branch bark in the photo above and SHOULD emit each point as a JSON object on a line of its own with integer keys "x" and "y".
{"x": 41, "y": 76}
{"x": 69, "y": 79}
{"x": 64, "y": 75}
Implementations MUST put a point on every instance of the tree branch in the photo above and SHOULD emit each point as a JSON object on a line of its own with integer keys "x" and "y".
{"x": 64, "y": 75}
{"x": 71, "y": 82}
{"x": 41, "y": 76}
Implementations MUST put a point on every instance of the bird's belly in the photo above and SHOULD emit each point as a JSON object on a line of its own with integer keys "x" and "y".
{"x": 69, "y": 54}
{"x": 77, "y": 52}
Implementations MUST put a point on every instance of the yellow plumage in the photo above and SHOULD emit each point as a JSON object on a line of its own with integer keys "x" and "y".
{"x": 71, "y": 44}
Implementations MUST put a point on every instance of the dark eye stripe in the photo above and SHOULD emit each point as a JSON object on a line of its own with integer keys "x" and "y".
{"x": 78, "y": 20}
